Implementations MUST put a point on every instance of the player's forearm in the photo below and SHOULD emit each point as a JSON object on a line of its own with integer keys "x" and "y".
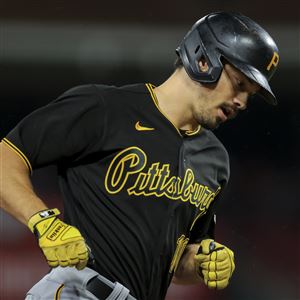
{"x": 16, "y": 193}
{"x": 186, "y": 271}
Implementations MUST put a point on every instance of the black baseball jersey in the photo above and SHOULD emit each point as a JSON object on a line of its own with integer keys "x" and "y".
{"x": 138, "y": 189}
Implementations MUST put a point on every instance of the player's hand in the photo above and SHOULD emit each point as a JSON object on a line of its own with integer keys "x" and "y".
{"x": 62, "y": 244}
{"x": 215, "y": 264}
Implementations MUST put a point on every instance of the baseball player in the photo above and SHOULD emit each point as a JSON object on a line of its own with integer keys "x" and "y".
{"x": 140, "y": 170}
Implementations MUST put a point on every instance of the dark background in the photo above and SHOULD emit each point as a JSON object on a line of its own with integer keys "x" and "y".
{"x": 47, "y": 47}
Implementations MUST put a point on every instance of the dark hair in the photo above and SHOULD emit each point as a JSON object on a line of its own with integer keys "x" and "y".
{"x": 178, "y": 63}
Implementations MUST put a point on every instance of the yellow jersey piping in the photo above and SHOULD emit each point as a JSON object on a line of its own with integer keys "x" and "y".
{"x": 193, "y": 132}
{"x": 58, "y": 292}
{"x": 154, "y": 98}
{"x": 19, "y": 153}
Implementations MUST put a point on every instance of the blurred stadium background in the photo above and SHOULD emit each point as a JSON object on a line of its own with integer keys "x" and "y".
{"x": 47, "y": 47}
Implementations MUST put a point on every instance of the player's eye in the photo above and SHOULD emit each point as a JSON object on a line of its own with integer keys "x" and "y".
{"x": 240, "y": 84}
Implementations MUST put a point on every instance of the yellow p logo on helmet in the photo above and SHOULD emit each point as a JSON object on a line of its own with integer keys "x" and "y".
{"x": 274, "y": 61}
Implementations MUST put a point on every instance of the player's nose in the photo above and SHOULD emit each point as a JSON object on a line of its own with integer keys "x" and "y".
{"x": 240, "y": 101}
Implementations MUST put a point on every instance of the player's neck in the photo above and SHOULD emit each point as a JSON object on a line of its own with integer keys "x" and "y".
{"x": 174, "y": 99}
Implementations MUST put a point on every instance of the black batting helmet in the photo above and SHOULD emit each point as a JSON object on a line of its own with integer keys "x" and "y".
{"x": 237, "y": 39}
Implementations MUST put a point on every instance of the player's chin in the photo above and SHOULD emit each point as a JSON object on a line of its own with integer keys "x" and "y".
{"x": 212, "y": 124}
{"x": 209, "y": 121}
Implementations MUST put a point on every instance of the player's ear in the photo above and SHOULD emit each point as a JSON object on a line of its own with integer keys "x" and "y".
{"x": 203, "y": 65}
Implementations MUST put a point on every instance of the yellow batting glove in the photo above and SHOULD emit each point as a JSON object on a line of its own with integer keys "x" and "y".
{"x": 215, "y": 264}
{"x": 62, "y": 244}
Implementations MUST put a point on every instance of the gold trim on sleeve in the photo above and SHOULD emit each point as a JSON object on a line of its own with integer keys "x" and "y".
{"x": 19, "y": 153}
{"x": 58, "y": 292}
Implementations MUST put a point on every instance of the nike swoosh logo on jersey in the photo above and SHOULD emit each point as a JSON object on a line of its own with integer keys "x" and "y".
{"x": 139, "y": 127}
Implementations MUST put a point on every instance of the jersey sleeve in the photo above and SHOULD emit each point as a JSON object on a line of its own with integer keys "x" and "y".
{"x": 204, "y": 227}
{"x": 66, "y": 130}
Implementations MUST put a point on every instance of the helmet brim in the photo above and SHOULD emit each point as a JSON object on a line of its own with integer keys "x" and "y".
{"x": 256, "y": 76}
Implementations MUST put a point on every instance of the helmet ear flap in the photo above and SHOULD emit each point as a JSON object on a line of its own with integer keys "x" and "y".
{"x": 192, "y": 51}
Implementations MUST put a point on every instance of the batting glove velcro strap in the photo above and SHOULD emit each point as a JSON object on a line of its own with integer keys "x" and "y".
{"x": 215, "y": 264}
{"x": 62, "y": 244}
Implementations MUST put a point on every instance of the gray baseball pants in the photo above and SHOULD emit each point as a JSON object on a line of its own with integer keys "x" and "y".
{"x": 70, "y": 284}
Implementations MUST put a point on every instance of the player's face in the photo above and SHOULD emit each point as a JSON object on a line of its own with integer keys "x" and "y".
{"x": 222, "y": 101}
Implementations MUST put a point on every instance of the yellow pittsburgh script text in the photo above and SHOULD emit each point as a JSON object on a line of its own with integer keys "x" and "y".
{"x": 155, "y": 180}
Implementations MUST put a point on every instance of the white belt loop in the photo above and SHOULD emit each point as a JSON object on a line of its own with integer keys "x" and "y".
{"x": 114, "y": 295}
{"x": 124, "y": 292}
